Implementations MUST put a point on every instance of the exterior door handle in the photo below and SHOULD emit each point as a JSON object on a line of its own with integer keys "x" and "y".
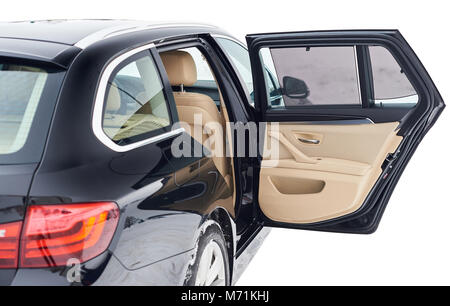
{"x": 309, "y": 141}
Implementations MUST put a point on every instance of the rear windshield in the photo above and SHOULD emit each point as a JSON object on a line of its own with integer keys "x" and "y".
{"x": 27, "y": 98}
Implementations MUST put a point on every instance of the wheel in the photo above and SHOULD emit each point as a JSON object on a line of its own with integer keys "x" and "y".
{"x": 211, "y": 266}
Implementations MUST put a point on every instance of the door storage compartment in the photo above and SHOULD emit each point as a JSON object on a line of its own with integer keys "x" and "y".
{"x": 289, "y": 185}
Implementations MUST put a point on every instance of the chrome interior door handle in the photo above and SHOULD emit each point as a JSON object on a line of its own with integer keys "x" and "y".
{"x": 309, "y": 141}
{"x": 298, "y": 155}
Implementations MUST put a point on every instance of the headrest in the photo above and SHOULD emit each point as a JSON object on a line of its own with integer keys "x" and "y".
{"x": 113, "y": 102}
{"x": 180, "y": 67}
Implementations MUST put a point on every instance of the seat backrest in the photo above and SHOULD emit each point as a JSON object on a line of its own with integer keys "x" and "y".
{"x": 181, "y": 70}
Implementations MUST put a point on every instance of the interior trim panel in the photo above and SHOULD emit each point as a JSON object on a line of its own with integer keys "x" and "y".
{"x": 312, "y": 182}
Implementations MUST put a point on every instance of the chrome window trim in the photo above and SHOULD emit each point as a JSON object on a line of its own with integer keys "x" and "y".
{"x": 123, "y": 29}
{"x": 97, "y": 117}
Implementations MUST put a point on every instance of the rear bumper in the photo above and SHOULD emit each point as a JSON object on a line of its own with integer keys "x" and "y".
{"x": 105, "y": 270}
{"x": 6, "y": 276}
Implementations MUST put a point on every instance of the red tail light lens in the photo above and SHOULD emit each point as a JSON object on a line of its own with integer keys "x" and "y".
{"x": 9, "y": 244}
{"x": 53, "y": 234}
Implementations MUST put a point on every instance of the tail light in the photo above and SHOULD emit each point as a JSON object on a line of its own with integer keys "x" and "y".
{"x": 9, "y": 244}
{"x": 53, "y": 234}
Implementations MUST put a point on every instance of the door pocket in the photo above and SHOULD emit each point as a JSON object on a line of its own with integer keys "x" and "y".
{"x": 291, "y": 185}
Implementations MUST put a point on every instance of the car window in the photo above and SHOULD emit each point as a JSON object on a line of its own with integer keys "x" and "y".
{"x": 27, "y": 97}
{"x": 329, "y": 76}
{"x": 135, "y": 102}
{"x": 390, "y": 84}
{"x": 314, "y": 75}
{"x": 241, "y": 60}
{"x": 20, "y": 91}
{"x": 272, "y": 85}
{"x": 203, "y": 71}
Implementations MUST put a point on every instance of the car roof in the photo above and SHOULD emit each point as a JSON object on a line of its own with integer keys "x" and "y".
{"x": 48, "y": 39}
{"x": 71, "y": 32}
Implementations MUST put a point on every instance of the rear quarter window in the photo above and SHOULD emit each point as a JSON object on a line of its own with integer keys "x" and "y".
{"x": 135, "y": 107}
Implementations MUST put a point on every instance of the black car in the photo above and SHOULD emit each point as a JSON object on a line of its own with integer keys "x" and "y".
{"x": 137, "y": 153}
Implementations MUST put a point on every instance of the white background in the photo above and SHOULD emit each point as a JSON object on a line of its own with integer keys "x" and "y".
{"x": 412, "y": 244}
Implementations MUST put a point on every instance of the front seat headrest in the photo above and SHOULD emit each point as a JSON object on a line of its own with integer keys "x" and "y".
{"x": 180, "y": 67}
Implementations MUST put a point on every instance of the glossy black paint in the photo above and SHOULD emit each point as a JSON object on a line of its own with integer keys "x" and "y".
{"x": 41, "y": 51}
{"x": 14, "y": 183}
{"x": 65, "y": 32}
{"x": 164, "y": 201}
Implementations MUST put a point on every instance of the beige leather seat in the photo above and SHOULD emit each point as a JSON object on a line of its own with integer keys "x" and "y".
{"x": 181, "y": 70}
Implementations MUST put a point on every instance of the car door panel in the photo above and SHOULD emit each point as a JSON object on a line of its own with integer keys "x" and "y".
{"x": 347, "y": 162}
{"x": 338, "y": 160}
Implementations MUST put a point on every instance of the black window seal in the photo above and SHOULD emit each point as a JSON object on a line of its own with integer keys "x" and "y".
{"x": 365, "y": 75}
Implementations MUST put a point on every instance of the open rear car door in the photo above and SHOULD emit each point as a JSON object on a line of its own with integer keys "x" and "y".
{"x": 345, "y": 111}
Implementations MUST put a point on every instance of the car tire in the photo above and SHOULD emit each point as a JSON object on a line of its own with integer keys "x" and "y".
{"x": 211, "y": 266}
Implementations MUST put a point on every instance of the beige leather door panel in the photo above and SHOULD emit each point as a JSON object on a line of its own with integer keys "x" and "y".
{"x": 322, "y": 171}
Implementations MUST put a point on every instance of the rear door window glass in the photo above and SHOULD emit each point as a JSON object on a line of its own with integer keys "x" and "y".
{"x": 390, "y": 84}
{"x": 314, "y": 76}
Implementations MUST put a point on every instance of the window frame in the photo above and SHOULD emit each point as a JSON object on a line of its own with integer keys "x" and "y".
{"x": 108, "y": 73}
{"x": 342, "y": 111}
{"x": 370, "y": 78}
{"x": 249, "y": 100}
{"x": 358, "y": 105}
